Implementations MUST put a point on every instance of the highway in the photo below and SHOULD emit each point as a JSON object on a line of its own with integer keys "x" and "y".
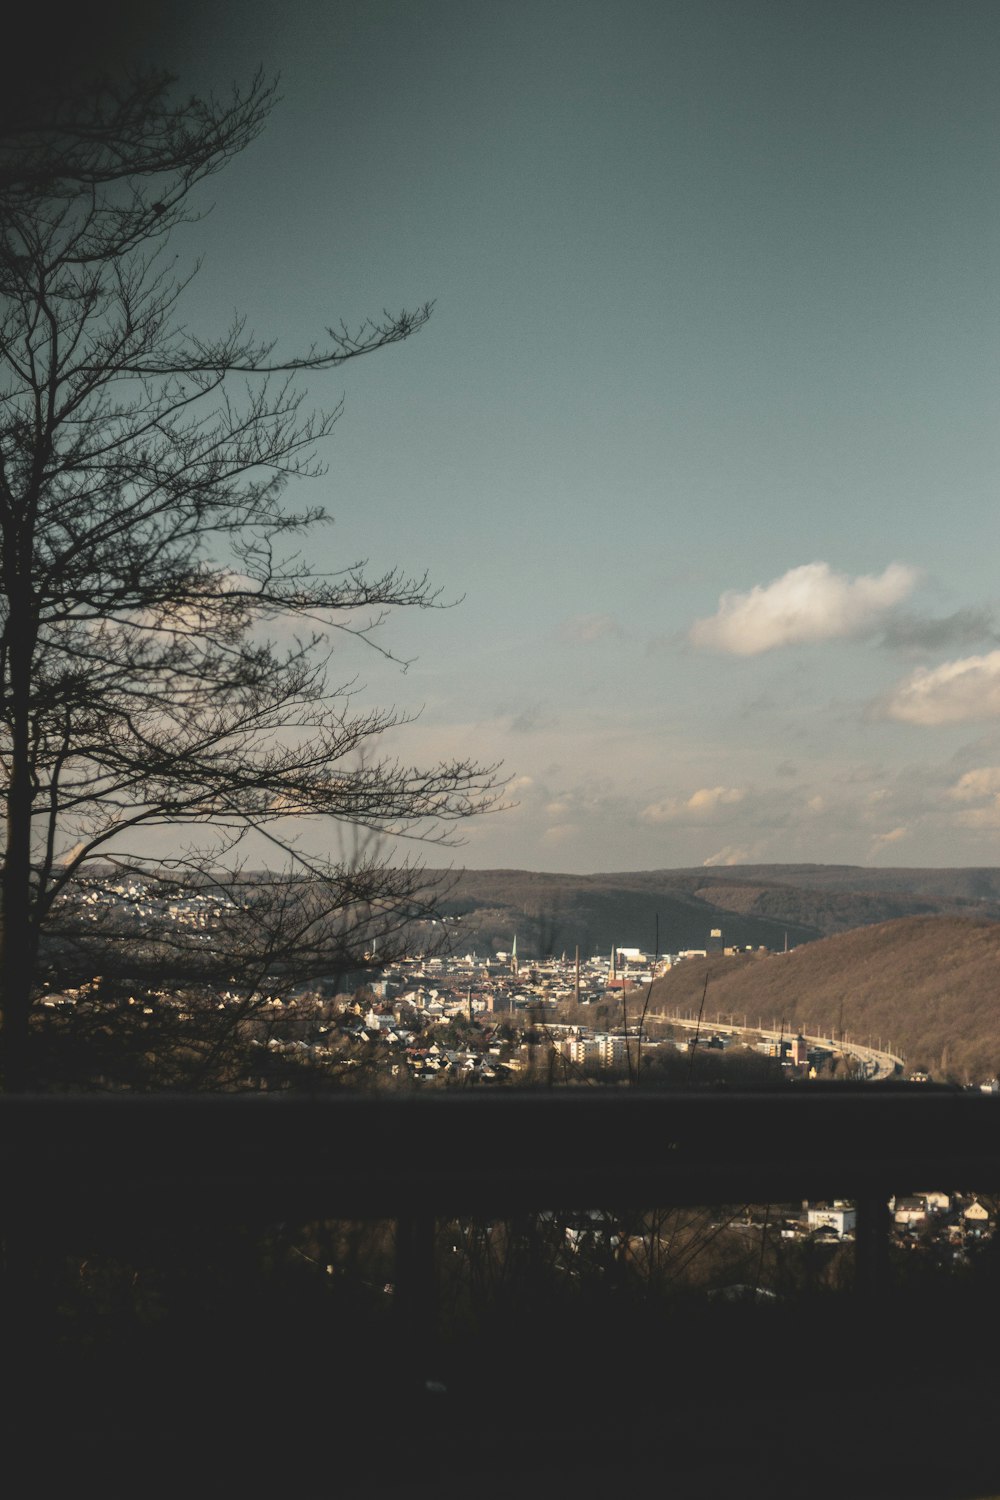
{"x": 878, "y": 1064}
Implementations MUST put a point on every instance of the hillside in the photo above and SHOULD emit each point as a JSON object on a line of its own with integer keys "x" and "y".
{"x": 756, "y": 905}
{"x": 557, "y": 913}
{"x": 927, "y": 984}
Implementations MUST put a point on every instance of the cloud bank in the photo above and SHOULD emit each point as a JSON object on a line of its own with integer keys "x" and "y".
{"x": 881, "y": 840}
{"x": 956, "y": 692}
{"x": 984, "y": 781}
{"x": 810, "y": 603}
{"x": 732, "y": 854}
{"x": 980, "y": 786}
{"x": 703, "y": 803}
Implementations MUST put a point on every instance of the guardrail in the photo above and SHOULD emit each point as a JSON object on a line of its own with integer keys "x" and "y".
{"x": 90, "y": 1163}
{"x": 93, "y": 1171}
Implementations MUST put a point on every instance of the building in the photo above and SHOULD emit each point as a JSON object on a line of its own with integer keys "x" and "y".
{"x": 842, "y": 1219}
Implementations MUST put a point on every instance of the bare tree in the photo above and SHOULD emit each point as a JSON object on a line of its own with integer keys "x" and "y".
{"x": 148, "y": 566}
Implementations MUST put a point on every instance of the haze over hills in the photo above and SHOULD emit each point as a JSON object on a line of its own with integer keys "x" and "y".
{"x": 754, "y": 905}
{"x": 929, "y": 985}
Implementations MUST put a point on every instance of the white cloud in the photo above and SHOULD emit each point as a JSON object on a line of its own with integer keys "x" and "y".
{"x": 892, "y": 837}
{"x": 708, "y": 798}
{"x": 976, "y": 785}
{"x": 730, "y": 855}
{"x": 558, "y": 833}
{"x": 956, "y": 692}
{"x": 981, "y": 785}
{"x": 810, "y": 603}
{"x": 706, "y": 801}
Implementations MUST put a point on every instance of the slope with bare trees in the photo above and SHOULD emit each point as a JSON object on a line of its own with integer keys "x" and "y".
{"x": 928, "y": 985}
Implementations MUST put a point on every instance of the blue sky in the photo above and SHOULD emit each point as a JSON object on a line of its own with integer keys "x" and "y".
{"x": 703, "y": 431}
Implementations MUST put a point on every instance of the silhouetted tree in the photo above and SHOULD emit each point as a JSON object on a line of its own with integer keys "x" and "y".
{"x": 148, "y": 561}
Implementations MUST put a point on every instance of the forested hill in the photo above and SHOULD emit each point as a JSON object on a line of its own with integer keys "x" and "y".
{"x": 928, "y": 985}
{"x": 758, "y": 905}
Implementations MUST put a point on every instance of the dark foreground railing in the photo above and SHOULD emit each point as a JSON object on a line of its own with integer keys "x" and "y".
{"x": 95, "y": 1172}
{"x": 460, "y": 1151}
{"x": 92, "y": 1162}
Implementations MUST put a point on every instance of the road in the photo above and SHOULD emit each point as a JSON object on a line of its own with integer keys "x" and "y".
{"x": 878, "y": 1064}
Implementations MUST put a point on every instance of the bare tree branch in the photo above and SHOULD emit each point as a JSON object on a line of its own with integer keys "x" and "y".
{"x": 148, "y": 557}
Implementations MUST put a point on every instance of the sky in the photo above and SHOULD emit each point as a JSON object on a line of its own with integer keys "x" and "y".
{"x": 701, "y": 440}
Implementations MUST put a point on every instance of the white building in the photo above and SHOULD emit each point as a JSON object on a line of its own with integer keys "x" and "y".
{"x": 841, "y": 1218}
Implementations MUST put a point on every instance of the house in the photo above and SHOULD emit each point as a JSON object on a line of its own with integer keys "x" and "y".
{"x": 378, "y": 1020}
{"x": 841, "y": 1219}
{"x": 937, "y": 1202}
{"x": 910, "y": 1213}
{"x": 976, "y": 1216}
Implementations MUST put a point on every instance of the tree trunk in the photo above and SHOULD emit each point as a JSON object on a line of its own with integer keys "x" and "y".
{"x": 17, "y": 925}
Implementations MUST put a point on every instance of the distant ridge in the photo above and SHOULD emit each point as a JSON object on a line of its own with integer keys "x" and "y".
{"x": 755, "y": 905}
